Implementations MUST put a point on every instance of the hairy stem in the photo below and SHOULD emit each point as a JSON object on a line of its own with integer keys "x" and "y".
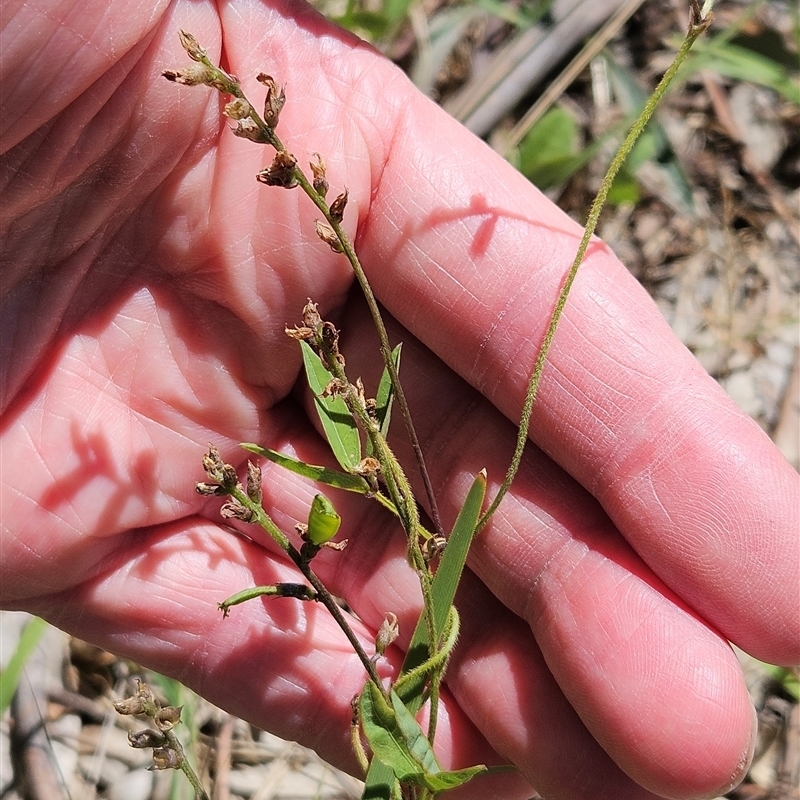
{"x": 699, "y": 22}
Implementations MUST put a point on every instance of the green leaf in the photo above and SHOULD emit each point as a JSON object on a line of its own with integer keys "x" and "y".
{"x": 624, "y": 190}
{"x": 548, "y": 155}
{"x": 337, "y": 421}
{"x": 445, "y": 582}
{"x": 9, "y": 678}
{"x": 397, "y": 739}
{"x": 450, "y": 779}
{"x": 330, "y": 477}
{"x": 384, "y": 735}
{"x": 742, "y": 63}
{"x": 385, "y": 397}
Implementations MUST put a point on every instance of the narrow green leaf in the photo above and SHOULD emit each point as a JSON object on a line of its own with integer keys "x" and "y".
{"x": 444, "y": 587}
{"x": 384, "y": 397}
{"x": 9, "y": 677}
{"x": 380, "y": 782}
{"x": 445, "y": 582}
{"x": 330, "y": 477}
{"x": 413, "y": 738}
{"x": 337, "y": 422}
{"x": 741, "y": 63}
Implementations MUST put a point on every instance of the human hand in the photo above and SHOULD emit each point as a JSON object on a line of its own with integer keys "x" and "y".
{"x": 147, "y": 280}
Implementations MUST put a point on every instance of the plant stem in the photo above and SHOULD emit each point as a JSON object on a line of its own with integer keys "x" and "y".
{"x": 699, "y": 22}
{"x": 261, "y": 518}
{"x": 185, "y": 767}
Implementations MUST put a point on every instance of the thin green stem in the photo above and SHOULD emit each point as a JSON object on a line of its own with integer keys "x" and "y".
{"x": 698, "y": 25}
{"x": 268, "y": 136}
{"x": 261, "y": 518}
{"x": 185, "y": 767}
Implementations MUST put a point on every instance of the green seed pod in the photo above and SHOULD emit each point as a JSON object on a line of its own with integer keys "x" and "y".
{"x": 323, "y": 521}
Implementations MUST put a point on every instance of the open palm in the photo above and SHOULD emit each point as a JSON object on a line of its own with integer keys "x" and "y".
{"x": 146, "y": 282}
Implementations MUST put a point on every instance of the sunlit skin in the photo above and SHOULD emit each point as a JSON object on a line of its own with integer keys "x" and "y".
{"x": 147, "y": 278}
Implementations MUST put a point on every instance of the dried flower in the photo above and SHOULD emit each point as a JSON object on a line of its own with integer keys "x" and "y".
{"x": 318, "y": 170}
{"x": 328, "y": 235}
{"x": 143, "y": 701}
{"x": 233, "y": 509}
{"x": 281, "y": 172}
{"x": 254, "y": 482}
{"x": 275, "y": 100}
{"x": 387, "y": 633}
{"x": 145, "y": 738}
{"x": 168, "y": 717}
{"x": 217, "y": 470}
{"x": 338, "y": 206}
{"x": 247, "y": 129}
{"x": 237, "y": 109}
{"x": 192, "y": 46}
{"x": 209, "y": 489}
{"x": 166, "y": 758}
{"x": 311, "y": 316}
{"x": 193, "y": 75}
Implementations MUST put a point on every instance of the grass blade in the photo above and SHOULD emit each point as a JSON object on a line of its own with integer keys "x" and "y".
{"x": 9, "y": 678}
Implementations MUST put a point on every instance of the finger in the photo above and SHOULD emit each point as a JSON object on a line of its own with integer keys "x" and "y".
{"x": 618, "y": 691}
{"x": 279, "y": 663}
{"x": 470, "y": 257}
{"x": 624, "y": 649}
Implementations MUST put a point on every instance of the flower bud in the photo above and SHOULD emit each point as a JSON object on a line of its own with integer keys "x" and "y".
{"x": 323, "y": 521}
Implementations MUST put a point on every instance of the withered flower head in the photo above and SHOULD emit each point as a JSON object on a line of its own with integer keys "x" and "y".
{"x": 338, "y": 206}
{"x": 145, "y": 738}
{"x": 165, "y": 758}
{"x": 280, "y": 172}
{"x": 328, "y": 235}
{"x": 318, "y": 170}
{"x": 275, "y": 100}
{"x": 238, "y": 108}
{"x": 233, "y": 509}
{"x": 387, "y": 633}
{"x": 168, "y": 717}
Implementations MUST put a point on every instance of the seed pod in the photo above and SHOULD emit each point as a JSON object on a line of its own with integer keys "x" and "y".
{"x": 323, "y": 521}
